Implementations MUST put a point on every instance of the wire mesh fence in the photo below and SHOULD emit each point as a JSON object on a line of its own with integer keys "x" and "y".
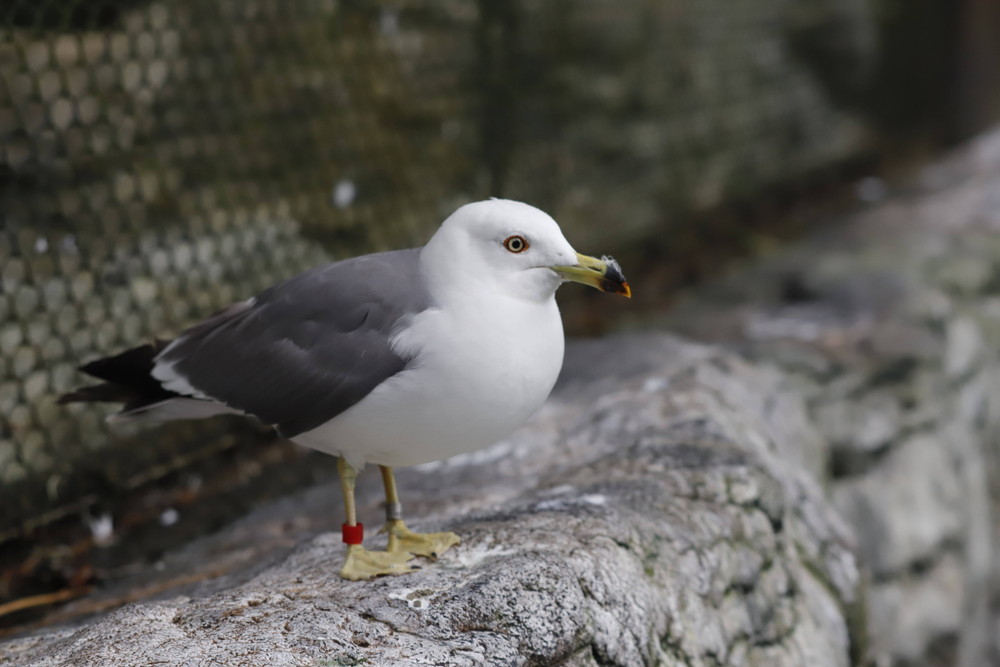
{"x": 159, "y": 160}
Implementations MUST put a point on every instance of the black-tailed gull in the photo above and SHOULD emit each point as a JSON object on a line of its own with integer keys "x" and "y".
{"x": 396, "y": 358}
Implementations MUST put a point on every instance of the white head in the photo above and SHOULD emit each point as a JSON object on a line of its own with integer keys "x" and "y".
{"x": 505, "y": 244}
{"x": 510, "y": 248}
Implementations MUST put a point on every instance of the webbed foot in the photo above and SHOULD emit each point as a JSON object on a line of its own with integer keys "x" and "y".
{"x": 404, "y": 540}
{"x": 363, "y": 564}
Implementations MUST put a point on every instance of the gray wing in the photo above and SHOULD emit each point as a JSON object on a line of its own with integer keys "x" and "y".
{"x": 304, "y": 351}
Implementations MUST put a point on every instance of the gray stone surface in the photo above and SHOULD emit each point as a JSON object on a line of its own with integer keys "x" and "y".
{"x": 649, "y": 515}
{"x": 893, "y": 316}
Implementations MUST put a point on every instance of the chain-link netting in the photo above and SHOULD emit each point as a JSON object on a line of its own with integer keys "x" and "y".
{"x": 161, "y": 159}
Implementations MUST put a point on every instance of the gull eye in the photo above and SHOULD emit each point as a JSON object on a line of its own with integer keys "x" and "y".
{"x": 515, "y": 243}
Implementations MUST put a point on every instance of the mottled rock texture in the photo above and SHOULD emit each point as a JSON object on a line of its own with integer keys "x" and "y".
{"x": 653, "y": 512}
{"x": 889, "y": 325}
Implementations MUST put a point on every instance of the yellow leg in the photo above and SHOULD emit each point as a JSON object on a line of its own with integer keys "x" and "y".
{"x": 401, "y": 538}
{"x": 361, "y": 563}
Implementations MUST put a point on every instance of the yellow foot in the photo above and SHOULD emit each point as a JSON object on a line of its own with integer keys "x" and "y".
{"x": 364, "y": 564}
{"x": 404, "y": 540}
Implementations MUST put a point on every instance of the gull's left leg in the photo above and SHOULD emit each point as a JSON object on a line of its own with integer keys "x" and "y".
{"x": 402, "y": 538}
{"x": 361, "y": 563}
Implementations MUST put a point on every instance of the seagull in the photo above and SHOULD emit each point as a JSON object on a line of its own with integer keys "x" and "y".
{"x": 394, "y": 359}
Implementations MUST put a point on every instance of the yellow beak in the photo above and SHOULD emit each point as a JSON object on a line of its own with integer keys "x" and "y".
{"x": 604, "y": 274}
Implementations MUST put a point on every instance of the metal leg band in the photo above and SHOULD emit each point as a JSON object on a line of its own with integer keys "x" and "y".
{"x": 393, "y": 511}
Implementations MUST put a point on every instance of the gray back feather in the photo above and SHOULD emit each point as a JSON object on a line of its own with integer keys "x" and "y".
{"x": 307, "y": 349}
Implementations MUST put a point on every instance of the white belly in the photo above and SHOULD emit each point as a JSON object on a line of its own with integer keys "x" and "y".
{"x": 475, "y": 380}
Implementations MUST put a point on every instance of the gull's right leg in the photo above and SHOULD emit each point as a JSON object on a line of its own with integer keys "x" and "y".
{"x": 401, "y": 538}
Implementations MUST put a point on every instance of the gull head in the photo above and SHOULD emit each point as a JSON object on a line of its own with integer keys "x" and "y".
{"x": 515, "y": 249}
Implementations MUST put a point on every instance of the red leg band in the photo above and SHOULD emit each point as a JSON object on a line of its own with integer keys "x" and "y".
{"x": 353, "y": 534}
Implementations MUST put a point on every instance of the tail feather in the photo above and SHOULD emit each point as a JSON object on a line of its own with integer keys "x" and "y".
{"x": 127, "y": 379}
{"x": 106, "y": 392}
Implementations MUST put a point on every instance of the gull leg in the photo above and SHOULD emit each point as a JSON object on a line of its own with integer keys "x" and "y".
{"x": 361, "y": 563}
{"x": 401, "y": 538}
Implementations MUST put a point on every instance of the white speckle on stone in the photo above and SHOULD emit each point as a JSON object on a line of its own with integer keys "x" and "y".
{"x": 556, "y": 504}
{"x": 655, "y": 384}
{"x": 41, "y": 245}
{"x": 415, "y": 598}
{"x": 765, "y": 327}
{"x": 471, "y": 555}
{"x": 492, "y": 453}
{"x": 564, "y": 504}
{"x": 169, "y": 517}
{"x": 962, "y": 348}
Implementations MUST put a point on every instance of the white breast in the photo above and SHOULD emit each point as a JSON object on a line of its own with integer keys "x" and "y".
{"x": 477, "y": 377}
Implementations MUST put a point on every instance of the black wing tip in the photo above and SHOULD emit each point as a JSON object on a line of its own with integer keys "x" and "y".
{"x": 127, "y": 377}
{"x": 132, "y": 363}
